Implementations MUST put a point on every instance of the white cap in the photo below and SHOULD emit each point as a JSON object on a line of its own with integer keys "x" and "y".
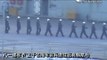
{"x": 73, "y": 21}
{"x": 8, "y": 17}
{"x": 93, "y": 22}
{"x": 37, "y": 18}
{"x": 18, "y": 17}
{"x": 28, "y": 17}
{"x": 78, "y": 0}
{"x": 60, "y": 19}
{"x": 83, "y": 22}
{"x": 48, "y": 19}
{"x": 104, "y": 23}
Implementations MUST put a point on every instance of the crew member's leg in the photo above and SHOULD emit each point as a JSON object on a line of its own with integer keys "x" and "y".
{"x": 50, "y": 32}
{"x": 81, "y": 34}
{"x": 57, "y": 33}
{"x": 102, "y": 35}
{"x": 62, "y": 33}
{"x": 75, "y": 34}
{"x": 85, "y": 34}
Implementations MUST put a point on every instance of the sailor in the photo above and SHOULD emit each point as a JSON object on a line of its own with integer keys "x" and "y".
{"x": 73, "y": 30}
{"x": 104, "y": 33}
{"x": 18, "y": 25}
{"x": 93, "y": 30}
{"x": 60, "y": 28}
{"x": 29, "y": 28}
{"x": 83, "y": 30}
{"x": 38, "y": 26}
{"x": 7, "y": 26}
{"x": 48, "y": 28}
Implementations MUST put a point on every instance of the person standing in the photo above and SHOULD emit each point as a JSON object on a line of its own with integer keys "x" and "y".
{"x": 83, "y": 30}
{"x": 48, "y": 28}
{"x": 38, "y": 26}
{"x": 18, "y": 25}
{"x": 93, "y": 30}
{"x": 104, "y": 33}
{"x": 7, "y": 26}
{"x": 73, "y": 30}
{"x": 60, "y": 28}
{"x": 29, "y": 28}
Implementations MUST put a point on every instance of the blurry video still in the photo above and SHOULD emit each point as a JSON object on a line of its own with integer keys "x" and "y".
{"x": 53, "y": 29}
